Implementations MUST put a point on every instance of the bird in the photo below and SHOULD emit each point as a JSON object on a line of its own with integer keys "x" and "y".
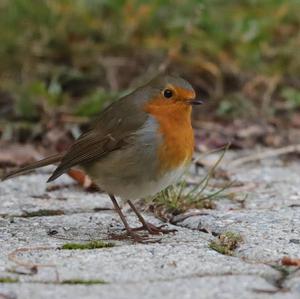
{"x": 136, "y": 147}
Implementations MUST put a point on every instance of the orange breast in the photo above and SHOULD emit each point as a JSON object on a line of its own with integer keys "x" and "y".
{"x": 178, "y": 138}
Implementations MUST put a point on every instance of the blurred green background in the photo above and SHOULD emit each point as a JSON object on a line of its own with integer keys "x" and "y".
{"x": 74, "y": 56}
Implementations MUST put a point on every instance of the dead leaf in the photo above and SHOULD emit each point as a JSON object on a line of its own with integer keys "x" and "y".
{"x": 83, "y": 179}
{"x": 17, "y": 154}
{"x": 288, "y": 261}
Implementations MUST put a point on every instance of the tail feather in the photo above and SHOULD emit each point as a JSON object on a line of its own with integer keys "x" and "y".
{"x": 47, "y": 161}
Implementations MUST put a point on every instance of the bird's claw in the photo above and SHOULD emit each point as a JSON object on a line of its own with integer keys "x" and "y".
{"x": 154, "y": 230}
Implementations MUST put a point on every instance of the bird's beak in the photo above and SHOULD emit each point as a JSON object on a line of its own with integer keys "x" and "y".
{"x": 195, "y": 102}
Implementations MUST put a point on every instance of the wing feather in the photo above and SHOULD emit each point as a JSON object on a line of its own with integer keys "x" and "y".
{"x": 111, "y": 131}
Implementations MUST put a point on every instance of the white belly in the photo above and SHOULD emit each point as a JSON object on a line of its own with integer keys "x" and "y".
{"x": 133, "y": 171}
{"x": 145, "y": 187}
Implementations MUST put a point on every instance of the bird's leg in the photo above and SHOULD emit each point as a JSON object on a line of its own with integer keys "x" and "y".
{"x": 151, "y": 228}
{"x": 129, "y": 230}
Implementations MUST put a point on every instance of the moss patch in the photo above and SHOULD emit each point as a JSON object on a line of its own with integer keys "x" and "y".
{"x": 45, "y": 212}
{"x": 89, "y": 245}
{"x": 226, "y": 243}
{"x": 8, "y": 280}
{"x": 86, "y": 282}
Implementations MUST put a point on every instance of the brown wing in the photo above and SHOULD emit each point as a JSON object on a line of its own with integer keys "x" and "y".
{"x": 87, "y": 149}
{"x": 109, "y": 132}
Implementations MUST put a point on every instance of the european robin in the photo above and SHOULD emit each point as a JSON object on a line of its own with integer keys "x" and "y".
{"x": 137, "y": 146}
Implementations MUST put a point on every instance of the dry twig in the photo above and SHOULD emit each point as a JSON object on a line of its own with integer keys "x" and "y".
{"x": 32, "y": 267}
{"x": 294, "y": 148}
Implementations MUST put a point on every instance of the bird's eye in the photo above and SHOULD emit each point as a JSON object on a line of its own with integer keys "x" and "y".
{"x": 168, "y": 93}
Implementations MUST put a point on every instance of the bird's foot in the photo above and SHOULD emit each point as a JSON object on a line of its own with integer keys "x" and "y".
{"x": 132, "y": 235}
{"x": 139, "y": 238}
{"x": 154, "y": 230}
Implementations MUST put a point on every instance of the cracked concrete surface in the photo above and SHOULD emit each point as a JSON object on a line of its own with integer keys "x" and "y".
{"x": 34, "y": 224}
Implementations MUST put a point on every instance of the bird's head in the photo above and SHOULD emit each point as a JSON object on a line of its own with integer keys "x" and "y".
{"x": 172, "y": 91}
